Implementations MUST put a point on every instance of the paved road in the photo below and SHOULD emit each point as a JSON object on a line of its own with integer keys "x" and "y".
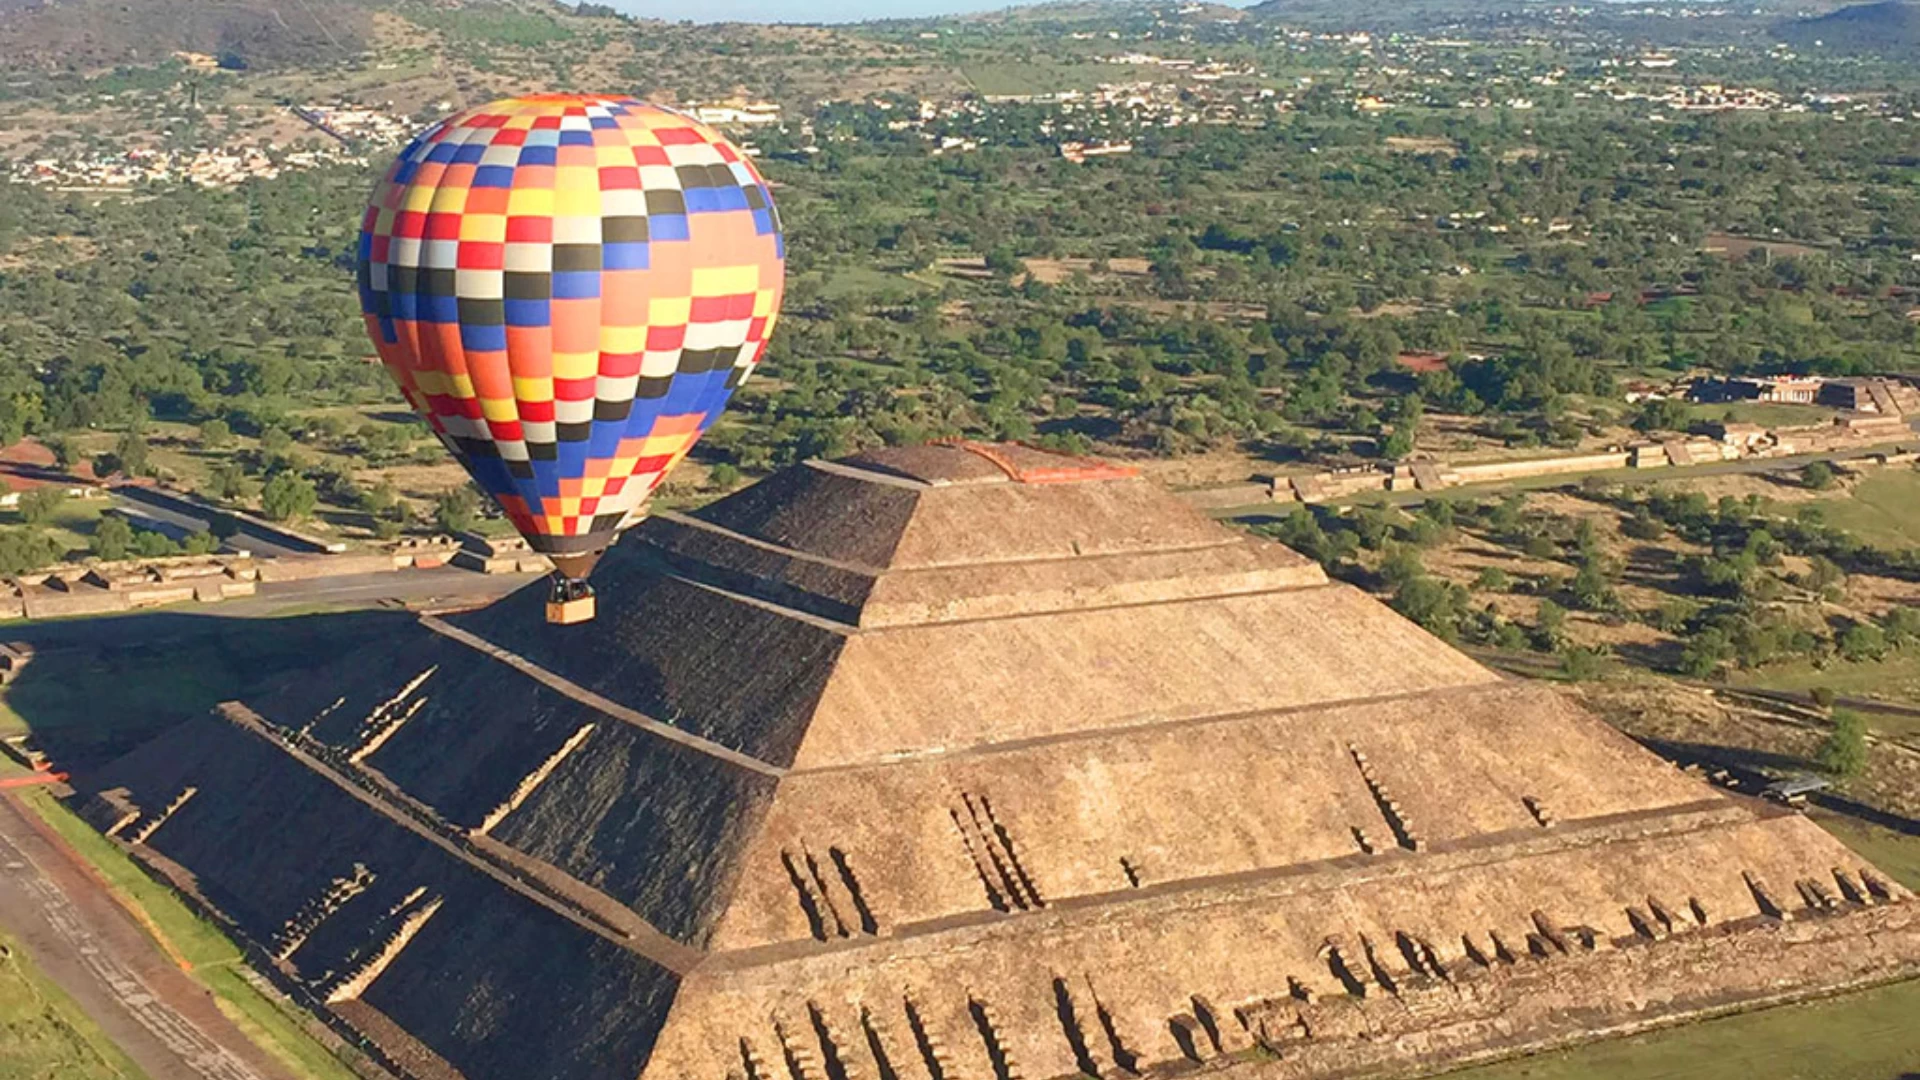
{"x": 1742, "y": 467}
{"x": 1534, "y": 665}
{"x": 182, "y": 515}
{"x": 88, "y": 945}
{"x": 444, "y": 584}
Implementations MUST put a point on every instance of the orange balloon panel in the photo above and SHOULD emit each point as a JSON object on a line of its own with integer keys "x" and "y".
{"x": 568, "y": 289}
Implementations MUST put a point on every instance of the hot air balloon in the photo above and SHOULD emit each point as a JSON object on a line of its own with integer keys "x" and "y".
{"x": 568, "y": 289}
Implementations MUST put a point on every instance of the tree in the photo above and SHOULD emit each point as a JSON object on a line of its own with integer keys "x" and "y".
{"x": 1862, "y": 642}
{"x": 1844, "y": 752}
{"x": 288, "y": 496}
{"x": 1586, "y": 539}
{"x": 1663, "y": 414}
{"x": 724, "y": 476}
{"x": 1002, "y": 262}
{"x": 130, "y": 454}
{"x": 152, "y": 545}
{"x": 275, "y": 442}
{"x": 112, "y": 539}
{"x": 39, "y": 505}
{"x": 1401, "y": 564}
{"x": 1591, "y": 589}
{"x": 215, "y": 434}
{"x": 1436, "y": 605}
{"x": 1552, "y": 623}
{"x": 25, "y": 550}
{"x": 229, "y": 482}
{"x": 457, "y": 510}
{"x": 1702, "y": 656}
{"x": 1818, "y": 476}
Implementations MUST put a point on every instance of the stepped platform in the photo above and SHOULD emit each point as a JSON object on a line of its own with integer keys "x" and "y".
{"x": 973, "y": 763}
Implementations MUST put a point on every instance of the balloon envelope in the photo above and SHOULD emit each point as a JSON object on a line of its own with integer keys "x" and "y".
{"x": 568, "y": 289}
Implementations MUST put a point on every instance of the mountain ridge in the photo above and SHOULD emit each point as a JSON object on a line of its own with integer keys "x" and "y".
{"x": 1886, "y": 26}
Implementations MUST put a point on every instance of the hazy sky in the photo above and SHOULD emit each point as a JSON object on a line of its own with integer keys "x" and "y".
{"x": 812, "y": 11}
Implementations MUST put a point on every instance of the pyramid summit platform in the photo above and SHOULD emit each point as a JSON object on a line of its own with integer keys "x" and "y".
{"x": 974, "y": 763}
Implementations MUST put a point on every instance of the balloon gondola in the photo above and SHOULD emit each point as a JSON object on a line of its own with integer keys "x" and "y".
{"x": 568, "y": 289}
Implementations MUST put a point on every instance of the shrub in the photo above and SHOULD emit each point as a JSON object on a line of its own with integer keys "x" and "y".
{"x": 1673, "y": 615}
{"x": 1844, "y": 753}
{"x": 1704, "y": 654}
{"x": 1551, "y": 622}
{"x": 457, "y": 510}
{"x": 112, "y": 539}
{"x": 1902, "y": 626}
{"x": 288, "y": 497}
{"x": 1862, "y": 642}
{"x": 1582, "y": 665}
{"x": 1592, "y": 590}
{"x": 152, "y": 545}
{"x": 39, "y": 505}
{"x": 1401, "y": 564}
{"x": 130, "y": 454}
{"x": 1643, "y": 525}
{"x": 23, "y": 550}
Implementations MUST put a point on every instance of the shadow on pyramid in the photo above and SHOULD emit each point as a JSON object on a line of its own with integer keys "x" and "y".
{"x": 972, "y": 763}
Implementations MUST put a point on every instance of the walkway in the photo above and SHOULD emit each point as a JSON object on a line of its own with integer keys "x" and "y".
{"x": 92, "y": 949}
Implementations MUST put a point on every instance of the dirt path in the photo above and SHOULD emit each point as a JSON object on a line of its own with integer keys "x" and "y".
{"x": 89, "y": 946}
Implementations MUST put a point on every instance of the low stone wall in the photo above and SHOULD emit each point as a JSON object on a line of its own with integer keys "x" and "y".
{"x": 41, "y": 602}
{"x": 1496, "y": 471}
{"x": 1231, "y": 495}
{"x": 102, "y": 588}
{"x": 523, "y": 563}
{"x": 1435, "y": 475}
{"x": 308, "y": 569}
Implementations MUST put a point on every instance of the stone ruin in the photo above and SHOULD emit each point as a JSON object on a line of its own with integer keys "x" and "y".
{"x": 973, "y": 763}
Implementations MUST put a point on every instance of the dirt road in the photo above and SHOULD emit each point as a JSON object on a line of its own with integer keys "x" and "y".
{"x": 88, "y": 945}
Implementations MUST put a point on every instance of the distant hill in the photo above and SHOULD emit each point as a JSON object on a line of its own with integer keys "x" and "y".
{"x": 1345, "y": 13}
{"x": 84, "y": 35}
{"x": 1886, "y": 27}
{"x": 1481, "y": 19}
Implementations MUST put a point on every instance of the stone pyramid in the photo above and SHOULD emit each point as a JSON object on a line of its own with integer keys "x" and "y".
{"x": 972, "y": 763}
